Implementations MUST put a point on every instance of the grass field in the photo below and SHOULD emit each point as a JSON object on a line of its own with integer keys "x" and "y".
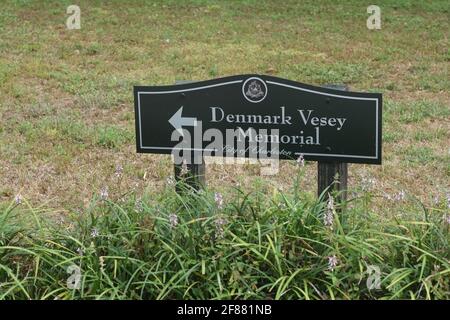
{"x": 256, "y": 245}
{"x": 67, "y": 122}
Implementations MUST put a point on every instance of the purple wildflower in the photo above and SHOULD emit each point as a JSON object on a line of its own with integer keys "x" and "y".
{"x": 119, "y": 171}
{"x": 173, "y": 219}
{"x": 436, "y": 200}
{"x": 138, "y": 205}
{"x": 447, "y": 218}
{"x": 218, "y": 198}
{"x": 184, "y": 168}
{"x": 400, "y": 196}
{"x": 104, "y": 193}
{"x": 170, "y": 181}
{"x": 18, "y": 199}
{"x": 101, "y": 261}
{"x": 328, "y": 218}
{"x": 220, "y": 222}
{"x": 301, "y": 160}
{"x": 332, "y": 262}
{"x": 367, "y": 183}
{"x": 94, "y": 233}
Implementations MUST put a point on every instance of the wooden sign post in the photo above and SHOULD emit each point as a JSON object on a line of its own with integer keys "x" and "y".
{"x": 332, "y": 175}
{"x": 195, "y": 169}
{"x": 194, "y": 173}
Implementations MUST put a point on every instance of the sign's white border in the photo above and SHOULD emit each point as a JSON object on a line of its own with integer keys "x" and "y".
{"x": 274, "y": 83}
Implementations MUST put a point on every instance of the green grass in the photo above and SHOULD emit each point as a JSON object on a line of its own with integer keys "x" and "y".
{"x": 430, "y": 135}
{"x": 113, "y": 137}
{"x": 49, "y": 74}
{"x": 253, "y": 247}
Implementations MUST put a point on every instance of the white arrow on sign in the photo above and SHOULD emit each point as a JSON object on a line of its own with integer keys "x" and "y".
{"x": 177, "y": 121}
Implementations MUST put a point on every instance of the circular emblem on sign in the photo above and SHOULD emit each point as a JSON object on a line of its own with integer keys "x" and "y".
{"x": 254, "y": 89}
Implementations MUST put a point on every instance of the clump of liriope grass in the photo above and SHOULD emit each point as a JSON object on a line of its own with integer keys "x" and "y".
{"x": 235, "y": 245}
